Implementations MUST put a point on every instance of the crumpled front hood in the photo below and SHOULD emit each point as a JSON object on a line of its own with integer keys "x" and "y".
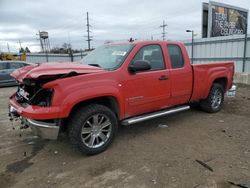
{"x": 52, "y": 69}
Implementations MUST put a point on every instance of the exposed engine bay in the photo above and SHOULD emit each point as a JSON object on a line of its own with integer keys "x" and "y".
{"x": 31, "y": 91}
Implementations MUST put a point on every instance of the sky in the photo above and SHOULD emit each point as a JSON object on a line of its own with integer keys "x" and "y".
{"x": 110, "y": 20}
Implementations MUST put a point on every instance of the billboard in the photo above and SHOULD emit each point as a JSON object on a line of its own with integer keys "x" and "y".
{"x": 223, "y": 20}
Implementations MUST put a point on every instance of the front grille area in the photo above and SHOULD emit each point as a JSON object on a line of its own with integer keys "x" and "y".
{"x": 34, "y": 95}
{"x": 23, "y": 95}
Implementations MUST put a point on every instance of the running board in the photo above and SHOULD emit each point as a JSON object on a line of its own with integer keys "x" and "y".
{"x": 145, "y": 117}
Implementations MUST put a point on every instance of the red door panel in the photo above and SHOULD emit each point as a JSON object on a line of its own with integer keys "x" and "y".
{"x": 146, "y": 92}
{"x": 149, "y": 90}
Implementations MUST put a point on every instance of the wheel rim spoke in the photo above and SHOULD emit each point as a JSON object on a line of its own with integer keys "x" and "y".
{"x": 97, "y": 140}
{"x": 105, "y": 124}
{"x": 90, "y": 124}
{"x": 87, "y": 130}
{"x": 91, "y": 141}
{"x": 85, "y": 138}
{"x": 101, "y": 120}
{"x": 102, "y": 136}
{"x": 95, "y": 120}
{"x": 105, "y": 130}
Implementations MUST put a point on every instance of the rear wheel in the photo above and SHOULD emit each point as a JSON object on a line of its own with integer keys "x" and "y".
{"x": 213, "y": 103}
{"x": 92, "y": 128}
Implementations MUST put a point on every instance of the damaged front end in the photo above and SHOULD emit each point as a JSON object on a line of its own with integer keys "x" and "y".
{"x": 34, "y": 101}
{"x": 30, "y": 93}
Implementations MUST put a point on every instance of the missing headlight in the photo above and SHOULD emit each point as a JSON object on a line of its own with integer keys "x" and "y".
{"x": 42, "y": 97}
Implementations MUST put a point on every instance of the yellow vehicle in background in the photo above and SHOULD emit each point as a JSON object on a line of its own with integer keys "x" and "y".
{"x": 13, "y": 57}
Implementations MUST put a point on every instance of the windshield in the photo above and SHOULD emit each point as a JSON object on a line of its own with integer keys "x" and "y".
{"x": 108, "y": 57}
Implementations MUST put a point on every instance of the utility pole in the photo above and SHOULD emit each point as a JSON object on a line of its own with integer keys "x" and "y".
{"x": 163, "y": 29}
{"x": 192, "y": 50}
{"x": 20, "y": 44}
{"x": 88, "y": 31}
{"x": 8, "y": 47}
{"x": 245, "y": 51}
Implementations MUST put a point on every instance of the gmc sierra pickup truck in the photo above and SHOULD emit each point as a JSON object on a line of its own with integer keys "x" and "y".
{"x": 115, "y": 84}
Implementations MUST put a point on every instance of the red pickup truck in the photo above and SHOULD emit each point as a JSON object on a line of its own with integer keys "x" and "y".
{"x": 115, "y": 84}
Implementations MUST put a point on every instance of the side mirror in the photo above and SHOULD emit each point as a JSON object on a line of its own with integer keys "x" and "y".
{"x": 139, "y": 65}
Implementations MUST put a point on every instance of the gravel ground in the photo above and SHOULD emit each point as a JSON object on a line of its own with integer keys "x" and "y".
{"x": 143, "y": 155}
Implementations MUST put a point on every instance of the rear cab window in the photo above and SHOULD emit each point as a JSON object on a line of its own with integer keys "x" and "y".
{"x": 176, "y": 57}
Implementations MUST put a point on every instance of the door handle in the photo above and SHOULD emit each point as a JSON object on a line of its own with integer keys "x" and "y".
{"x": 163, "y": 77}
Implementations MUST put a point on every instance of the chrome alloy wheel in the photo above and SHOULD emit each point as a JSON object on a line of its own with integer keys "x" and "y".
{"x": 96, "y": 130}
{"x": 216, "y": 99}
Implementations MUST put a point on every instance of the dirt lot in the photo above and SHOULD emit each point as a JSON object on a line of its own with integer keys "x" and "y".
{"x": 143, "y": 155}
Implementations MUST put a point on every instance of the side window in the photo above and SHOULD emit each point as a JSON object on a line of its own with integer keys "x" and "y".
{"x": 176, "y": 57}
{"x": 153, "y": 54}
{"x": 3, "y": 66}
{"x": 15, "y": 65}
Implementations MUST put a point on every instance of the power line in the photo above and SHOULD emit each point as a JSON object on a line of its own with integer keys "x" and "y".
{"x": 89, "y": 38}
{"x": 163, "y": 30}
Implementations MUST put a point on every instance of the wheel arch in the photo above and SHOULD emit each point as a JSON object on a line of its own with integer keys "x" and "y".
{"x": 222, "y": 80}
{"x": 109, "y": 101}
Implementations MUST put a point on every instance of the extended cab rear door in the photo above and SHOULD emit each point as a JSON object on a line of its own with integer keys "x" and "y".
{"x": 149, "y": 90}
{"x": 181, "y": 73}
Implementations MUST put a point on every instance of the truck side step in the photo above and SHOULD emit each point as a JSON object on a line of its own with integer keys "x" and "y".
{"x": 145, "y": 117}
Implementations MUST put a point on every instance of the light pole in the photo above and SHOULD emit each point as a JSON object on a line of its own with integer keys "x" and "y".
{"x": 192, "y": 52}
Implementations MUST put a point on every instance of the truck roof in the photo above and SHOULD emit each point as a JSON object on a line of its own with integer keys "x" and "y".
{"x": 155, "y": 42}
{"x": 145, "y": 42}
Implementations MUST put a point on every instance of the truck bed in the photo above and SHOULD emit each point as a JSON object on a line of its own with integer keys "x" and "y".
{"x": 205, "y": 74}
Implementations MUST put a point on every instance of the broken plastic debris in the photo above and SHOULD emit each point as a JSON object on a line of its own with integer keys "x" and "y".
{"x": 204, "y": 165}
{"x": 162, "y": 126}
{"x": 55, "y": 152}
{"x": 24, "y": 127}
{"x": 31, "y": 143}
{"x": 244, "y": 185}
{"x": 154, "y": 181}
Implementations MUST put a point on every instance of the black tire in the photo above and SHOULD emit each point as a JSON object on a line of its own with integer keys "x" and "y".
{"x": 210, "y": 104}
{"x": 81, "y": 121}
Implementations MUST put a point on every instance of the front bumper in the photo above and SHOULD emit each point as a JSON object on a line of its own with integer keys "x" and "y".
{"x": 46, "y": 130}
{"x": 36, "y": 112}
{"x": 43, "y": 129}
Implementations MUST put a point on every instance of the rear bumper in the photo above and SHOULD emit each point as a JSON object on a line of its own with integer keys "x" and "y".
{"x": 232, "y": 91}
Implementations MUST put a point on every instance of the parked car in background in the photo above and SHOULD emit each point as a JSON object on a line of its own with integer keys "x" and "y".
{"x": 6, "y": 68}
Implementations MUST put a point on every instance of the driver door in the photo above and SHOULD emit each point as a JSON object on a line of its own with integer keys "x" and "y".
{"x": 149, "y": 90}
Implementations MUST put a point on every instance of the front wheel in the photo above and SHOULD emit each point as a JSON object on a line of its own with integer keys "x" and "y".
{"x": 92, "y": 128}
{"x": 213, "y": 103}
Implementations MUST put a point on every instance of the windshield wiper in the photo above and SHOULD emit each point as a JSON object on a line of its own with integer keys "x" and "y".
{"x": 95, "y": 65}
